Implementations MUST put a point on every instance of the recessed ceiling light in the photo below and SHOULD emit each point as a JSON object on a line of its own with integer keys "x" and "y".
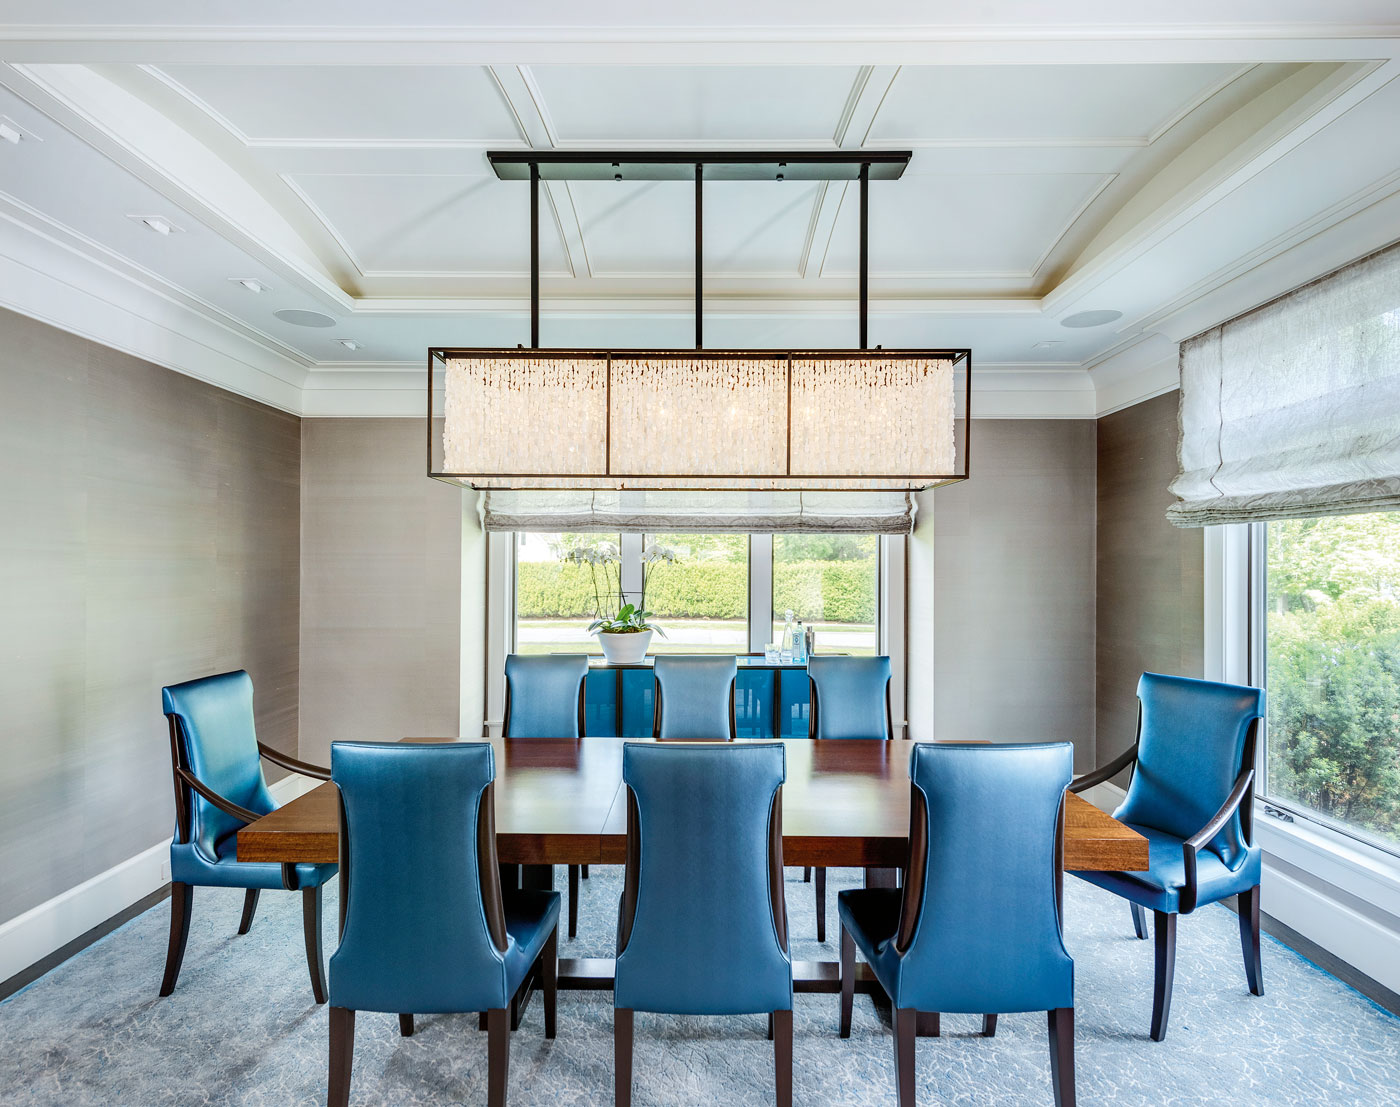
{"x": 350, "y": 344}
{"x": 9, "y": 132}
{"x": 252, "y": 284}
{"x": 157, "y": 223}
{"x": 1091, "y": 318}
{"x": 298, "y": 318}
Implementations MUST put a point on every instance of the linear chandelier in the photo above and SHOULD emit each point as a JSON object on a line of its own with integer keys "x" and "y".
{"x": 739, "y": 420}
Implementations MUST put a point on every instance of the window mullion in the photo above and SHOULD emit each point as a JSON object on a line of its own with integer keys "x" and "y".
{"x": 760, "y": 591}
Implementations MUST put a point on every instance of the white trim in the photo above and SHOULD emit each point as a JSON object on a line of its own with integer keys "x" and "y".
{"x": 29, "y": 938}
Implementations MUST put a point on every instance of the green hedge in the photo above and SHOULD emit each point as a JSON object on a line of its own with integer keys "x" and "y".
{"x": 709, "y": 590}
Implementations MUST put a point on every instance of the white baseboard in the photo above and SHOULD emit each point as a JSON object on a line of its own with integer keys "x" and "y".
{"x": 29, "y": 938}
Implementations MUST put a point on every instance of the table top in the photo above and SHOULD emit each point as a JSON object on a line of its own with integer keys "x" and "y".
{"x": 560, "y": 801}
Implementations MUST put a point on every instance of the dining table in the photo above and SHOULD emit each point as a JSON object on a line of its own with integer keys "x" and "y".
{"x": 561, "y": 801}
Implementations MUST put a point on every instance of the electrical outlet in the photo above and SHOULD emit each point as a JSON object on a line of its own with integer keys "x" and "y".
{"x": 165, "y": 872}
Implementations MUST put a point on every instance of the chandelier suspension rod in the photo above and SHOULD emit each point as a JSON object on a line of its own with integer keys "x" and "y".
{"x": 864, "y": 255}
{"x": 699, "y": 255}
{"x": 534, "y": 255}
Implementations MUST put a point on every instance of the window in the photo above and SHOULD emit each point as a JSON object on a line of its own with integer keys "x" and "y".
{"x": 1332, "y": 657}
{"x": 832, "y": 582}
{"x": 555, "y": 599}
{"x": 698, "y": 591}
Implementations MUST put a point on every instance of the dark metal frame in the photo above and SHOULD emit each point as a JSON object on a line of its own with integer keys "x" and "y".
{"x": 829, "y": 165}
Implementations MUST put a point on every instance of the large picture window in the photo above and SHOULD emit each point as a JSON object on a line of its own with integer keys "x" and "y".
{"x": 554, "y": 597}
{"x": 698, "y": 592}
{"x": 1332, "y": 646}
{"x": 830, "y": 582}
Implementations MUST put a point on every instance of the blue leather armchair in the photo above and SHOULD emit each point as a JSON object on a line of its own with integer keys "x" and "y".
{"x": 424, "y": 925}
{"x": 544, "y": 699}
{"x": 695, "y": 697}
{"x": 1192, "y": 797}
{"x": 850, "y": 698}
{"x": 703, "y": 925}
{"x": 215, "y": 759}
{"x": 977, "y": 927}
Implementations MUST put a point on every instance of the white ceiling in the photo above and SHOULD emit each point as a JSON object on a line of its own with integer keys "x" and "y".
{"x": 1176, "y": 173}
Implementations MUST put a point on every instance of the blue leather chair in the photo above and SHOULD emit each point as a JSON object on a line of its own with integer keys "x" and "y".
{"x": 977, "y": 927}
{"x": 850, "y": 698}
{"x": 694, "y": 697}
{"x": 544, "y": 699}
{"x": 424, "y": 925}
{"x": 703, "y": 925}
{"x": 215, "y": 758}
{"x": 1192, "y": 797}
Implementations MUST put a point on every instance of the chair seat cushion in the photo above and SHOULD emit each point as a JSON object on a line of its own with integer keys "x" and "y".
{"x": 1159, "y": 887}
{"x": 189, "y": 865}
{"x": 531, "y": 916}
{"x": 871, "y": 917}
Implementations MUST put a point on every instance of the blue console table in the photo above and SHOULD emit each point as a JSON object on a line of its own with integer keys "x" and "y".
{"x": 770, "y": 700}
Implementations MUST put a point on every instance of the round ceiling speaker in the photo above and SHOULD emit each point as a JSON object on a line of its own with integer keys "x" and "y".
{"x": 1084, "y": 318}
{"x": 298, "y": 318}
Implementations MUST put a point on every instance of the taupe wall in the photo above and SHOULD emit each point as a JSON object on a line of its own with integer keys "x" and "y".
{"x": 381, "y": 587}
{"x": 1151, "y": 613}
{"x": 148, "y": 535}
{"x": 1012, "y": 598}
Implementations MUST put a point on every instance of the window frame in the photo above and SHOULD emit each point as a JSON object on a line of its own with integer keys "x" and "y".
{"x": 891, "y": 623}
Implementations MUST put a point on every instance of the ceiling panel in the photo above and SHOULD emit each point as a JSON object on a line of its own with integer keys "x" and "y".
{"x": 722, "y": 105}
{"x": 426, "y": 224}
{"x": 752, "y": 228}
{"x": 354, "y": 103}
{"x": 1038, "y": 103}
{"x": 979, "y": 224}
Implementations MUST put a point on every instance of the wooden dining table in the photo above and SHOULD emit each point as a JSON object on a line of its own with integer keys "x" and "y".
{"x": 561, "y": 801}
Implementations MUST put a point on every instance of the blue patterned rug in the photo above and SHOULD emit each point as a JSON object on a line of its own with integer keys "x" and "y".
{"x": 241, "y": 1027}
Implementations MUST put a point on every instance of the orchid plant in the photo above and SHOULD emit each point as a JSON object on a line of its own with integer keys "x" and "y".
{"x": 604, "y": 563}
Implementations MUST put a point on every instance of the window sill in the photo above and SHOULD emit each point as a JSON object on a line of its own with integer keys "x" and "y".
{"x": 1370, "y": 874}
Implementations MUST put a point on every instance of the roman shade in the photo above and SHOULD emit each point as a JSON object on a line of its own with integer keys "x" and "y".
{"x": 713, "y": 512}
{"x": 1293, "y": 409}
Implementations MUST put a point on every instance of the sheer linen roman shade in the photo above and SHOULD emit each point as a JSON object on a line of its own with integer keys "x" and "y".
{"x": 1293, "y": 409}
{"x": 714, "y": 512}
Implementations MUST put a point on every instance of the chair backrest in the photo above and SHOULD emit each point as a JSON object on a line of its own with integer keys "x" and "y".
{"x": 1195, "y": 737}
{"x": 695, "y": 697}
{"x": 544, "y": 695}
{"x": 850, "y": 697}
{"x": 212, "y": 734}
{"x": 703, "y": 927}
{"x": 980, "y": 923}
{"x": 422, "y": 922}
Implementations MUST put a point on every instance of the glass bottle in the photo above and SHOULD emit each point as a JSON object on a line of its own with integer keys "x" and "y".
{"x": 799, "y": 644}
{"x": 788, "y": 645}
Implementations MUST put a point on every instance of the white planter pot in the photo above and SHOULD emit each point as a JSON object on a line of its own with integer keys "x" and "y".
{"x": 625, "y": 649}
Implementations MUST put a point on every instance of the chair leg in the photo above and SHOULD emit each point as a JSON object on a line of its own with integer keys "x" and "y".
{"x": 1062, "y": 1055}
{"x": 989, "y": 1026}
{"x": 497, "y": 1055}
{"x": 311, "y": 930}
{"x": 906, "y": 1034}
{"x": 583, "y": 871}
{"x": 781, "y": 1022}
{"x": 848, "y": 980}
{"x": 342, "y": 1056}
{"x": 1164, "y": 930}
{"x": 806, "y": 874}
{"x": 250, "y": 907}
{"x": 1139, "y": 921}
{"x": 550, "y": 982}
{"x": 622, "y": 1056}
{"x": 181, "y": 902}
{"x": 573, "y": 901}
{"x": 405, "y": 1026}
{"x": 821, "y": 905}
{"x": 1249, "y": 940}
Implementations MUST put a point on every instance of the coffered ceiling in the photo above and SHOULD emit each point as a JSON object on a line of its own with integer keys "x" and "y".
{"x": 1174, "y": 174}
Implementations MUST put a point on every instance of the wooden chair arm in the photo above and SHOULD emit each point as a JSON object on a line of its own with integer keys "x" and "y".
{"x": 225, "y": 805}
{"x": 1108, "y": 772}
{"x": 1192, "y": 846}
{"x": 303, "y": 767}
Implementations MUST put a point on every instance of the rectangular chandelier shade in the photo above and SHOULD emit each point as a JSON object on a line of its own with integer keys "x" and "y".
{"x": 701, "y": 420}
